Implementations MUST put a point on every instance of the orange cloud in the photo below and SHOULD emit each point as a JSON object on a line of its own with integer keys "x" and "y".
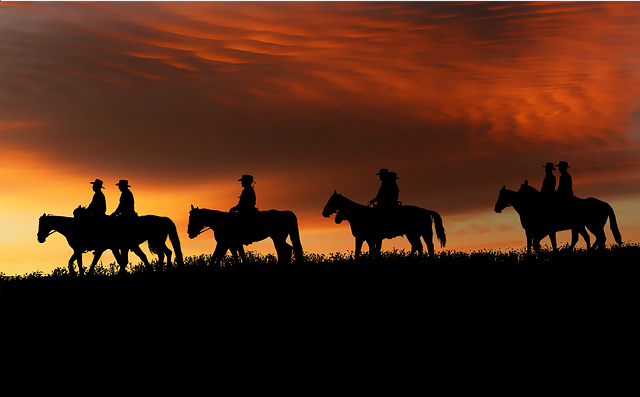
{"x": 458, "y": 98}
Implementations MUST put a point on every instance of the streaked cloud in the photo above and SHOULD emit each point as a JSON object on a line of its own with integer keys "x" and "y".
{"x": 458, "y": 98}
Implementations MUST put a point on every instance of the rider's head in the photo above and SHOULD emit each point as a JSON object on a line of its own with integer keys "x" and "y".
{"x": 123, "y": 184}
{"x": 97, "y": 185}
{"x": 246, "y": 180}
{"x": 549, "y": 167}
{"x": 383, "y": 173}
{"x": 562, "y": 166}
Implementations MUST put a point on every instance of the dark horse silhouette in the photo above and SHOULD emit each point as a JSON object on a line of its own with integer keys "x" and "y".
{"x": 540, "y": 219}
{"x": 77, "y": 238}
{"x": 155, "y": 230}
{"x": 151, "y": 228}
{"x": 230, "y": 233}
{"x": 366, "y": 225}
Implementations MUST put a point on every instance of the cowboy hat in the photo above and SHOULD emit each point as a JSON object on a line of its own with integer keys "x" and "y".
{"x": 563, "y": 164}
{"x": 247, "y": 178}
{"x": 123, "y": 182}
{"x": 549, "y": 165}
{"x": 98, "y": 183}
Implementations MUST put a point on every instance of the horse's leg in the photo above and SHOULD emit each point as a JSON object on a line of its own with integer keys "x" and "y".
{"x": 138, "y": 251}
{"x": 284, "y": 251}
{"x": 79, "y": 260}
{"x": 161, "y": 255}
{"x": 536, "y": 243}
{"x": 168, "y": 252}
{"x": 124, "y": 260}
{"x": 575, "y": 236}
{"x": 219, "y": 253}
{"x": 378, "y": 248}
{"x": 554, "y": 244}
{"x": 243, "y": 256}
{"x": 529, "y": 242}
{"x": 586, "y": 237}
{"x": 375, "y": 248}
{"x": 416, "y": 244}
{"x": 72, "y": 270}
{"x": 430, "y": 247}
{"x": 601, "y": 238}
{"x": 96, "y": 257}
{"x": 162, "y": 252}
{"x": 234, "y": 254}
{"x": 161, "y": 249}
{"x": 359, "y": 242}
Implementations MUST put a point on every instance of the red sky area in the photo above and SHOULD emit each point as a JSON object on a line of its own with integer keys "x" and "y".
{"x": 183, "y": 98}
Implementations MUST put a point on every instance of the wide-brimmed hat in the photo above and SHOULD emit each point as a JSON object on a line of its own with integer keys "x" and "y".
{"x": 392, "y": 175}
{"x": 549, "y": 165}
{"x": 98, "y": 183}
{"x": 123, "y": 182}
{"x": 247, "y": 178}
{"x": 383, "y": 171}
{"x": 563, "y": 164}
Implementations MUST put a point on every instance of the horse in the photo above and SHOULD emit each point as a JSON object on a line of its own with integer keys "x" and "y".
{"x": 368, "y": 224}
{"x": 111, "y": 236}
{"x": 540, "y": 220}
{"x": 77, "y": 238}
{"x": 153, "y": 229}
{"x": 232, "y": 230}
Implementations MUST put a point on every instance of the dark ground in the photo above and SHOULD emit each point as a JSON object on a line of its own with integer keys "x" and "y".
{"x": 460, "y": 318}
{"x": 454, "y": 286}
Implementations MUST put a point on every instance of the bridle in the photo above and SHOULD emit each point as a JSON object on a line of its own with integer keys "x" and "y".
{"x": 203, "y": 230}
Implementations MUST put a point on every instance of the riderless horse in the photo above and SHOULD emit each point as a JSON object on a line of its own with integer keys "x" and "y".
{"x": 540, "y": 218}
{"x": 151, "y": 228}
{"x": 368, "y": 224}
{"x": 232, "y": 230}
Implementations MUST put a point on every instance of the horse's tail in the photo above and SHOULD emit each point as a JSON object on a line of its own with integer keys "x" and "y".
{"x": 294, "y": 235}
{"x": 440, "y": 232}
{"x": 613, "y": 224}
{"x": 175, "y": 242}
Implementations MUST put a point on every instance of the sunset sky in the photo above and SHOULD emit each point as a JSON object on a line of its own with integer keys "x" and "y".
{"x": 183, "y": 98}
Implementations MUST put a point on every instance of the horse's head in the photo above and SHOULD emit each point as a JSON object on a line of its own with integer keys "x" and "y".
{"x": 196, "y": 223}
{"x": 332, "y": 206}
{"x": 504, "y": 200}
{"x": 340, "y": 217}
{"x": 45, "y": 229}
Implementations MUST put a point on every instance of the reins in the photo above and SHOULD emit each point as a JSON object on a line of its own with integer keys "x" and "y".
{"x": 203, "y": 230}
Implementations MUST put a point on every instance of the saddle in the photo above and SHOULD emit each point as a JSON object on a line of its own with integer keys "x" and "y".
{"x": 388, "y": 220}
{"x": 247, "y": 225}
{"x": 560, "y": 212}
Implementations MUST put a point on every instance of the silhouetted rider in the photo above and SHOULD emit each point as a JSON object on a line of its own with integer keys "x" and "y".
{"x": 247, "y": 197}
{"x": 389, "y": 192}
{"x": 549, "y": 182}
{"x": 565, "y": 186}
{"x": 246, "y": 211}
{"x": 126, "y": 207}
{"x": 98, "y": 206}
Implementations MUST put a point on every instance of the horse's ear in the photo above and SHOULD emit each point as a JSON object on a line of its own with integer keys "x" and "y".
{"x": 504, "y": 187}
{"x": 192, "y": 206}
{"x": 335, "y": 192}
{"x": 526, "y": 182}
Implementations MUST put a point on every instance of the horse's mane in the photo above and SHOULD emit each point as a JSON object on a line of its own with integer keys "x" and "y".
{"x": 525, "y": 188}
